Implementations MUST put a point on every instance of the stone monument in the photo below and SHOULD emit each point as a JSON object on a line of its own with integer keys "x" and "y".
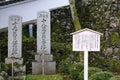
{"x": 43, "y": 59}
{"x": 15, "y": 43}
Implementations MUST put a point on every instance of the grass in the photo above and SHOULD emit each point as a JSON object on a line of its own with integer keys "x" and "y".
{"x": 44, "y": 77}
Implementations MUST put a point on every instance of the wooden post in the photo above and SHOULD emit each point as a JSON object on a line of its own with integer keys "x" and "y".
{"x": 12, "y": 69}
{"x": 43, "y": 63}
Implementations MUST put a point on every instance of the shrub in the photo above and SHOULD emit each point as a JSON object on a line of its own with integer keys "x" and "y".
{"x": 66, "y": 77}
{"x": 114, "y": 65}
{"x": 91, "y": 71}
{"x": 64, "y": 66}
{"x": 43, "y": 77}
{"x": 115, "y": 78}
{"x": 75, "y": 70}
{"x": 101, "y": 76}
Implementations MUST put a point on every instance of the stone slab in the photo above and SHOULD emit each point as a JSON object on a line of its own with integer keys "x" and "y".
{"x": 43, "y": 32}
{"x": 1, "y": 78}
{"x": 15, "y": 36}
{"x": 18, "y": 78}
{"x": 21, "y": 68}
{"x": 47, "y": 57}
{"x": 17, "y": 60}
{"x": 50, "y": 67}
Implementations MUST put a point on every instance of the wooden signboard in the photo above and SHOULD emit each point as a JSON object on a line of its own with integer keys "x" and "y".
{"x": 86, "y": 40}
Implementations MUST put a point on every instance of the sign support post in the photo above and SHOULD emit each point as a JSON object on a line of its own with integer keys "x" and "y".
{"x": 85, "y": 65}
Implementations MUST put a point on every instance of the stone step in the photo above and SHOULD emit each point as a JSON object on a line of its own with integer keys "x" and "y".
{"x": 17, "y": 78}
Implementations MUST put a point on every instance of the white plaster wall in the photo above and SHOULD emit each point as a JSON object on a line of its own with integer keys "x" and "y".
{"x": 29, "y": 10}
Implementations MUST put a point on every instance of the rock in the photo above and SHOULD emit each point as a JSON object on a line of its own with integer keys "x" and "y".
{"x": 1, "y": 78}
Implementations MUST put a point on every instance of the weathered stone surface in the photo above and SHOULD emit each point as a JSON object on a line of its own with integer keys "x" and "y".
{"x": 43, "y": 45}
{"x": 16, "y": 60}
{"x": 47, "y": 57}
{"x": 21, "y": 68}
{"x": 15, "y": 36}
{"x": 110, "y": 51}
{"x": 50, "y": 67}
{"x": 1, "y": 78}
{"x": 15, "y": 45}
{"x": 18, "y": 78}
{"x": 43, "y": 32}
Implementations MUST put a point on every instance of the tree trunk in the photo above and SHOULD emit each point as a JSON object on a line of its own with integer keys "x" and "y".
{"x": 74, "y": 15}
{"x": 76, "y": 22}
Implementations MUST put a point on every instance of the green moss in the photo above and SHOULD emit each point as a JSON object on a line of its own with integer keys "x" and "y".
{"x": 115, "y": 38}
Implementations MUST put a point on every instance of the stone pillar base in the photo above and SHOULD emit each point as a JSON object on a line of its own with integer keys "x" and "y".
{"x": 49, "y": 67}
{"x": 49, "y": 64}
{"x": 18, "y": 78}
{"x": 47, "y": 57}
{"x": 15, "y": 60}
{"x": 18, "y": 67}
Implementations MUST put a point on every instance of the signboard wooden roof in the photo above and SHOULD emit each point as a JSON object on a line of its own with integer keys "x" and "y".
{"x": 86, "y": 39}
{"x": 86, "y": 29}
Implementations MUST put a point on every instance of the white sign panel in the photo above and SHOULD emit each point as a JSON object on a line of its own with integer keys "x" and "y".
{"x": 86, "y": 40}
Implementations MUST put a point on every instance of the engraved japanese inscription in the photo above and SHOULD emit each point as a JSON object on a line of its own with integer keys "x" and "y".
{"x": 14, "y": 36}
{"x": 43, "y": 32}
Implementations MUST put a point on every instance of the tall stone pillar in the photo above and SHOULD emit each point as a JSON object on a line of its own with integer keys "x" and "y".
{"x": 43, "y": 58}
{"x": 15, "y": 42}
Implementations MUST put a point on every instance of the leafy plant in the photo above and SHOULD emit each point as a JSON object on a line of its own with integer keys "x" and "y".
{"x": 115, "y": 78}
{"x": 44, "y": 77}
{"x": 75, "y": 70}
{"x": 114, "y": 66}
{"x": 101, "y": 76}
{"x": 91, "y": 71}
{"x": 64, "y": 66}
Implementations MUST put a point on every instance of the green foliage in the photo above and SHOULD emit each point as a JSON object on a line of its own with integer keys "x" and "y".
{"x": 75, "y": 70}
{"x": 3, "y": 46}
{"x": 7, "y": 68}
{"x": 91, "y": 71}
{"x": 2, "y": 66}
{"x": 64, "y": 66}
{"x": 44, "y": 77}
{"x": 102, "y": 16}
{"x": 28, "y": 51}
{"x": 115, "y": 38}
{"x": 114, "y": 66}
{"x": 101, "y": 76}
{"x": 61, "y": 51}
{"x": 61, "y": 27}
{"x": 66, "y": 77}
{"x": 115, "y": 78}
